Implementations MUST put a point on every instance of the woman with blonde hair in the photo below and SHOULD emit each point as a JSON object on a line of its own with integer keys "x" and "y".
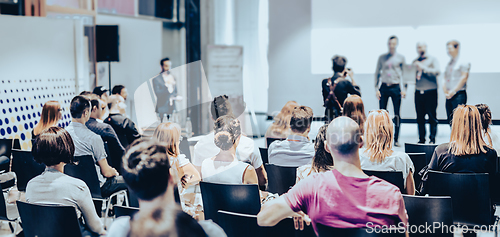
{"x": 355, "y": 109}
{"x": 170, "y": 134}
{"x": 379, "y": 155}
{"x": 281, "y": 125}
{"x": 51, "y": 114}
{"x": 467, "y": 152}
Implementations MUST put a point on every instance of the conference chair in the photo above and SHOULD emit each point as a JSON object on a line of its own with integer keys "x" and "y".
{"x": 264, "y": 155}
{"x": 245, "y": 225}
{"x": 470, "y": 193}
{"x": 428, "y": 211}
{"x": 270, "y": 140}
{"x": 3, "y": 214}
{"x": 48, "y": 220}
{"x": 16, "y": 144}
{"x": 419, "y": 162}
{"x": 241, "y": 198}
{"x": 7, "y": 180}
{"x": 326, "y": 231}
{"x": 393, "y": 177}
{"x": 25, "y": 167}
{"x": 280, "y": 179}
{"x": 86, "y": 171}
{"x": 125, "y": 211}
{"x": 428, "y": 149}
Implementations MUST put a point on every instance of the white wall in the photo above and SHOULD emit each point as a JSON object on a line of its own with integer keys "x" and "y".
{"x": 290, "y": 55}
{"x": 140, "y": 53}
{"x": 38, "y": 64}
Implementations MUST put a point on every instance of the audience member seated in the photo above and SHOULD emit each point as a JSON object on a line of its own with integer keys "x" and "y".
{"x": 490, "y": 137}
{"x": 280, "y": 128}
{"x": 88, "y": 143}
{"x": 355, "y": 109}
{"x": 146, "y": 169}
{"x": 246, "y": 151}
{"x": 170, "y": 134}
{"x": 466, "y": 152}
{"x": 296, "y": 150}
{"x": 346, "y": 186}
{"x": 379, "y": 154}
{"x": 124, "y": 127}
{"x": 224, "y": 167}
{"x": 101, "y": 91}
{"x": 115, "y": 149}
{"x": 54, "y": 148}
{"x": 120, "y": 90}
{"x": 322, "y": 160}
{"x": 51, "y": 114}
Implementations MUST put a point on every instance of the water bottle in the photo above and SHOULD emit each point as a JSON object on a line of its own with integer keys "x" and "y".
{"x": 189, "y": 127}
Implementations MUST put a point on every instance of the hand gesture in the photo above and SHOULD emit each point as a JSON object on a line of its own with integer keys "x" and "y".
{"x": 377, "y": 94}
{"x": 298, "y": 220}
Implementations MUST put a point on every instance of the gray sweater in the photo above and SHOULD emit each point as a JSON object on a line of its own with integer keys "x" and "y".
{"x": 54, "y": 187}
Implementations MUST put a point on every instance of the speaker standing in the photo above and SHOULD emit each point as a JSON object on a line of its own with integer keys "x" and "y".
{"x": 389, "y": 82}
{"x": 426, "y": 92}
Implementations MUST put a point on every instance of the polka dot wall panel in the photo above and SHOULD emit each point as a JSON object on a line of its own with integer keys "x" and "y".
{"x": 22, "y": 100}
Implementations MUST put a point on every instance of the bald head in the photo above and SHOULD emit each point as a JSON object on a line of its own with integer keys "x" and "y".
{"x": 343, "y": 135}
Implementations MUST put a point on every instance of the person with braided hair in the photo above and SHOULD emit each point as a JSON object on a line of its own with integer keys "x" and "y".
{"x": 224, "y": 167}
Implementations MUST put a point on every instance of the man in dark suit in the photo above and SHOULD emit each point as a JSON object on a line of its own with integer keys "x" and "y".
{"x": 336, "y": 89}
{"x": 114, "y": 148}
{"x": 164, "y": 86}
{"x": 124, "y": 127}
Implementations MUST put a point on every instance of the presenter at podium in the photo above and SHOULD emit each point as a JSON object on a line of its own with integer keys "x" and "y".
{"x": 165, "y": 89}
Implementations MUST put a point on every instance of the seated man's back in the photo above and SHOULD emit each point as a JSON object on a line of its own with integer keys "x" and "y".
{"x": 296, "y": 150}
{"x": 293, "y": 152}
{"x": 335, "y": 200}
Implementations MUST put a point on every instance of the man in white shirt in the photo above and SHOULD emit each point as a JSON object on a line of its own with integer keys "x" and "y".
{"x": 455, "y": 79}
{"x": 246, "y": 152}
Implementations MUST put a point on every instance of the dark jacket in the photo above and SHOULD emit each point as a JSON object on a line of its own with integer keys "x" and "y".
{"x": 342, "y": 90}
{"x": 114, "y": 148}
{"x": 163, "y": 96}
{"x": 124, "y": 127}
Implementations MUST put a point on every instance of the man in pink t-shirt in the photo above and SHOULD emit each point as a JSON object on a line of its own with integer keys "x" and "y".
{"x": 344, "y": 197}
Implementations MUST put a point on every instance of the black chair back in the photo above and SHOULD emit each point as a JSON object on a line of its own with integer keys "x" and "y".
{"x": 264, "y": 155}
{"x": 280, "y": 179}
{"x": 86, "y": 171}
{"x": 125, "y": 211}
{"x": 393, "y": 177}
{"x": 419, "y": 162}
{"x": 326, "y": 231}
{"x": 418, "y": 148}
{"x": 16, "y": 144}
{"x": 244, "y": 225}
{"x": 3, "y": 207}
{"x": 429, "y": 210}
{"x": 241, "y": 198}
{"x": 270, "y": 140}
{"x": 5, "y": 153}
{"x": 48, "y": 220}
{"x": 470, "y": 193}
{"x": 184, "y": 147}
{"x": 25, "y": 167}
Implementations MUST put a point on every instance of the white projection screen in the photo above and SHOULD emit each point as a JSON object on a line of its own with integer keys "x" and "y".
{"x": 359, "y": 30}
